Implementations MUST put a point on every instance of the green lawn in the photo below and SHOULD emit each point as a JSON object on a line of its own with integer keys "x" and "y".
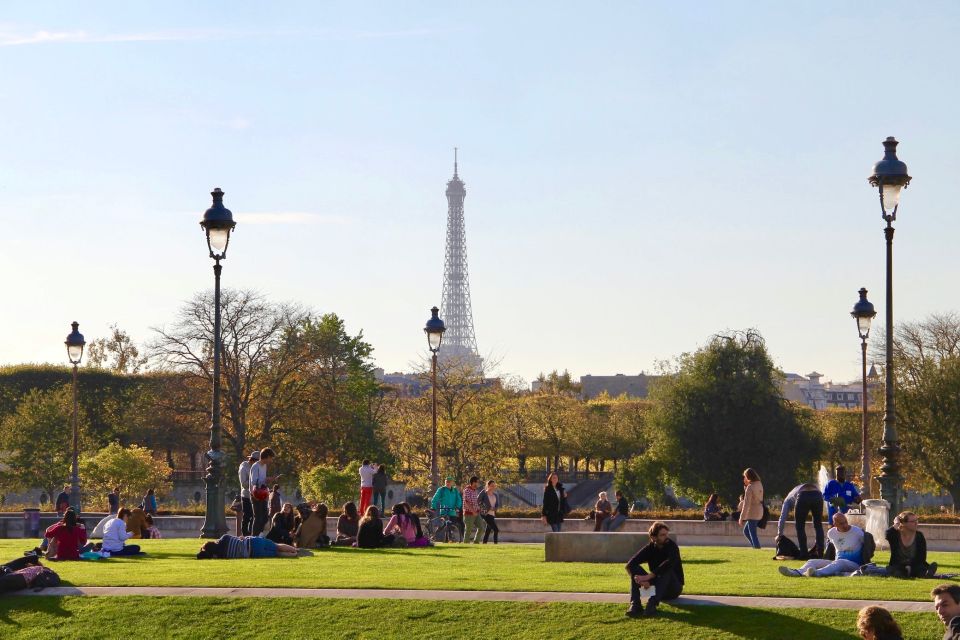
{"x": 709, "y": 571}
{"x": 198, "y": 618}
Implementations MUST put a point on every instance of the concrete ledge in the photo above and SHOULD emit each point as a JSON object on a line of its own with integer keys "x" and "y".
{"x": 594, "y": 546}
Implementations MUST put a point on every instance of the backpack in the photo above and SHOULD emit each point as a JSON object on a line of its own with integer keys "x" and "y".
{"x": 765, "y": 518}
{"x": 787, "y": 549}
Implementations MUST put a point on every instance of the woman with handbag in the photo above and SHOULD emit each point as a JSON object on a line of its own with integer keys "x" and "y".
{"x": 752, "y": 511}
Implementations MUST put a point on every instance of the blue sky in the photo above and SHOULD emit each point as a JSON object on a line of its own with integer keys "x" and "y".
{"x": 639, "y": 176}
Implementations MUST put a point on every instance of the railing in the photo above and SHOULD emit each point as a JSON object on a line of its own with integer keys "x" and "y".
{"x": 569, "y": 476}
{"x": 522, "y": 493}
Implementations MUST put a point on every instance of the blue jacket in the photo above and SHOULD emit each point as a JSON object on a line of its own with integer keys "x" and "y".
{"x": 848, "y": 491}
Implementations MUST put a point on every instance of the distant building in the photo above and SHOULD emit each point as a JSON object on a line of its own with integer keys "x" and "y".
{"x": 809, "y": 391}
{"x": 637, "y": 386}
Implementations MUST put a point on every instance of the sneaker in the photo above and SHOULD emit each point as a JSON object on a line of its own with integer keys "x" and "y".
{"x": 932, "y": 571}
{"x": 810, "y": 573}
{"x": 790, "y": 573}
{"x": 650, "y": 610}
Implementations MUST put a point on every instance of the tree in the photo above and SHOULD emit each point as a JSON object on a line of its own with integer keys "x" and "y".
{"x": 722, "y": 412}
{"x": 329, "y": 484}
{"x": 133, "y": 469}
{"x": 37, "y": 441}
{"x": 116, "y": 352}
{"x": 927, "y": 374}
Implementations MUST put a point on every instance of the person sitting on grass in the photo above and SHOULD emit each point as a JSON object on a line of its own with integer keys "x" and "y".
{"x": 116, "y": 534}
{"x": 662, "y": 556}
{"x": 284, "y": 522}
{"x": 908, "y": 549}
{"x": 370, "y": 533}
{"x": 876, "y": 623}
{"x": 137, "y": 522}
{"x": 402, "y": 524}
{"x": 66, "y": 538}
{"x": 313, "y": 528}
{"x": 348, "y": 524}
{"x": 946, "y": 601}
{"x": 233, "y": 547}
{"x": 848, "y": 545}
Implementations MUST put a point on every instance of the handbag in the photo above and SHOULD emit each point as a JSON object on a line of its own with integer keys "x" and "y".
{"x": 260, "y": 493}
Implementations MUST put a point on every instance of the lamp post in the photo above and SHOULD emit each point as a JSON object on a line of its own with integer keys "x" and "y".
{"x": 75, "y": 344}
{"x": 434, "y": 330}
{"x": 863, "y": 312}
{"x": 889, "y": 178}
{"x": 217, "y": 223}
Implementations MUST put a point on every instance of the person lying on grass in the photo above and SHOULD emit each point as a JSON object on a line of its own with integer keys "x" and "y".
{"x": 231, "y": 547}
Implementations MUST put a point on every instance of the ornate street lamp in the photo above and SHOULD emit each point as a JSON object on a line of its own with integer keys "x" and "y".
{"x": 75, "y": 344}
{"x": 217, "y": 223}
{"x": 863, "y": 312}
{"x": 890, "y": 178}
{"x": 434, "y": 330}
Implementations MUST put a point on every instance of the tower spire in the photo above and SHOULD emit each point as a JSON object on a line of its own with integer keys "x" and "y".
{"x": 455, "y": 163}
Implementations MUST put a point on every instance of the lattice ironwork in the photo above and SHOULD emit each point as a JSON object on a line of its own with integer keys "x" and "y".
{"x": 459, "y": 340}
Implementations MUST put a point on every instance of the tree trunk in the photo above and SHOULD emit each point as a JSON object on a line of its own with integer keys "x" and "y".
{"x": 522, "y": 465}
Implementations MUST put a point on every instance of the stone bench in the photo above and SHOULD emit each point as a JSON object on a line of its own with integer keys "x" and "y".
{"x": 594, "y": 546}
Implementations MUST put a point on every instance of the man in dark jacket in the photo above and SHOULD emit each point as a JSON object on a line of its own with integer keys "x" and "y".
{"x": 662, "y": 556}
{"x": 946, "y": 600}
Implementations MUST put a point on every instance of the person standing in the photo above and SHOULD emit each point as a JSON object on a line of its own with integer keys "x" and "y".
{"x": 63, "y": 501}
{"x": 662, "y": 556}
{"x": 620, "y": 514}
{"x": 752, "y": 510}
{"x": 551, "y": 512}
{"x": 275, "y": 502}
{"x": 113, "y": 500}
{"x": 150, "y": 503}
{"x": 488, "y": 501}
{"x": 246, "y": 522}
{"x": 473, "y": 522}
{"x": 367, "y": 471}
{"x": 259, "y": 489}
{"x": 805, "y": 499}
{"x": 946, "y": 601}
{"x": 840, "y": 491}
{"x": 380, "y": 487}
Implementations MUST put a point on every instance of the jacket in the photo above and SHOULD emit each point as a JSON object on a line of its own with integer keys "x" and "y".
{"x": 659, "y": 559}
{"x": 896, "y": 551}
{"x": 137, "y": 522}
{"x": 310, "y": 530}
{"x": 446, "y": 502}
{"x": 379, "y": 482}
{"x": 484, "y": 501}
{"x": 552, "y": 499}
{"x": 115, "y": 534}
{"x": 752, "y": 501}
{"x": 69, "y": 541}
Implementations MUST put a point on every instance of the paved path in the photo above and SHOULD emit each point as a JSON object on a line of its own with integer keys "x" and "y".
{"x": 499, "y": 596}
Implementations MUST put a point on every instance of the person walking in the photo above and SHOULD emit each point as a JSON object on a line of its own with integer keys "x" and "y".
{"x": 488, "y": 501}
{"x": 551, "y": 512}
{"x": 367, "y": 471}
{"x": 752, "y": 510}
{"x": 380, "y": 488}
{"x": 246, "y": 521}
{"x": 259, "y": 489}
{"x": 150, "y": 503}
{"x": 473, "y": 523}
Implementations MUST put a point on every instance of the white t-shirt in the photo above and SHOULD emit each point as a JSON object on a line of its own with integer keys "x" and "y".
{"x": 258, "y": 475}
{"x": 366, "y": 476}
{"x": 849, "y": 544}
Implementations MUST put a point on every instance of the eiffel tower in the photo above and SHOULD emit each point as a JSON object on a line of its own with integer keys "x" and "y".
{"x": 459, "y": 340}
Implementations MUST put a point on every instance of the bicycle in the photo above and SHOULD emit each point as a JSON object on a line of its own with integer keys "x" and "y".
{"x": 442, "y": 528}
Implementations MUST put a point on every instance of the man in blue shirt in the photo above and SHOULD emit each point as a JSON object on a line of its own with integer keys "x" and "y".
{"x": 840, "y": 489}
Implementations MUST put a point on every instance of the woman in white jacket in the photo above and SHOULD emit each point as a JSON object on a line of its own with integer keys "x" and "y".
{"x": 115, "y": 535}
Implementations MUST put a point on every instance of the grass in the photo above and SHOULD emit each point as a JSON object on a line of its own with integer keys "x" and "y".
{"x": 709, "y": 571}
{"x": 199, "y": 618}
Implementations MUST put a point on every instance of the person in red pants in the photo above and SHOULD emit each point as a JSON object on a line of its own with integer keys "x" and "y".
{"x": 367, "y": 472}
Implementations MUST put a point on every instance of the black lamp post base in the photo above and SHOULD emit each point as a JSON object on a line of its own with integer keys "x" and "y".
{"x": 215, "y": 522}
{"x": 891, "y": 490}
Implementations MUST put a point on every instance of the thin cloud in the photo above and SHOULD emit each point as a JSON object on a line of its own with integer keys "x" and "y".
{"x": 12, "y": 37}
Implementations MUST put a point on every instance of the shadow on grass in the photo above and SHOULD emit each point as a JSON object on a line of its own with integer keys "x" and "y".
{"x": 752, "y": 624}
{"x": 49, "y": 605}
{"x": 706, "y": 561}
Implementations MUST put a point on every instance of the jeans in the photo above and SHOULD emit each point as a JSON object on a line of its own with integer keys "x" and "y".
{"x": 556, "y": 527}
{"x": 615, "y": 522}
{"x": 247, "y": 521}
{"x": 259, "y": 516}
{"x": 128, "y": 550}
{"x": 381, "y": 497}
{"x": 473, "y": 524}
{"x": 667, "y": 584}
{"x": 826, "y": 568}
{"x": 809, "y": 502}
{"x": 750, "y": 531}
{"x": 263, "y": 548}
{"x": 491, "y": 521}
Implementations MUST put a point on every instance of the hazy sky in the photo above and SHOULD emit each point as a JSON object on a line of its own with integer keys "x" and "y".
{"x": 638, "y": 176}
